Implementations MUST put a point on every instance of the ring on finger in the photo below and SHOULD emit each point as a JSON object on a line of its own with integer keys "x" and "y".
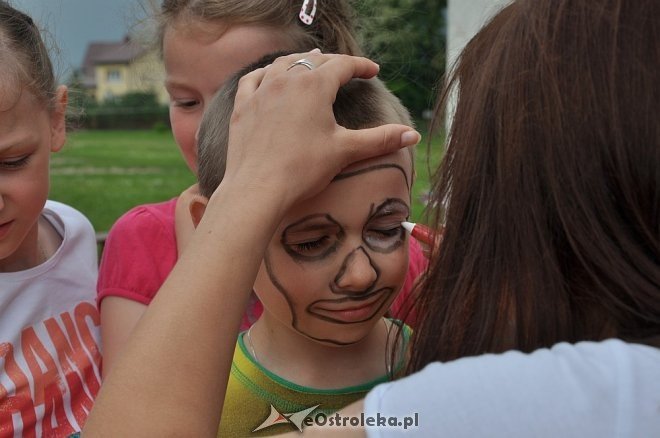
{"x": 304, "y": 62}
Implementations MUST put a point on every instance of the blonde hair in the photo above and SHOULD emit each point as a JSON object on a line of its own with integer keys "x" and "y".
{"x": 332, "y": 30}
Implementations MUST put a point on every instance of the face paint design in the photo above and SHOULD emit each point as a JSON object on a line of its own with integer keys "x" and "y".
{"x": 338, "y": 260}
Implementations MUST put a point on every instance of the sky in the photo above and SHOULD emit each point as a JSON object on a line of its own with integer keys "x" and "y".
{"x": 72, "y": 24}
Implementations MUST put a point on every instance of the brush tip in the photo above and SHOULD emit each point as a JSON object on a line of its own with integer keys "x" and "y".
{"x": 408, "y": 226}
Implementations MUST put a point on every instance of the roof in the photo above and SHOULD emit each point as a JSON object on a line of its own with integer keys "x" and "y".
{"x": 105, "y": 52}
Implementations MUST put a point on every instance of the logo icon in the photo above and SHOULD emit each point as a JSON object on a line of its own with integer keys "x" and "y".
{"x": 294, "y": 418}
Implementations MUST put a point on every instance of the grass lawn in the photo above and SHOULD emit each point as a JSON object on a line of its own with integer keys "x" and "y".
{"x": 105, "y": 173}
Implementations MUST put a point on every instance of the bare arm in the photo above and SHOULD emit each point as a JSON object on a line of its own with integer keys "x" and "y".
{"x": 171, "y": 377}
{"x": 119, "y": 317}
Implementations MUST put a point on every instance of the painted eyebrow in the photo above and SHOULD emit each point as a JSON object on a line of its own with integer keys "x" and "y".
{"x": 395, "y": 205}
{"x": 371, "y": 169}
{"x": 316, "y": 222}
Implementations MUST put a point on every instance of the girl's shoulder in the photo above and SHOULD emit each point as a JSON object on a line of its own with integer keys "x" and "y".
{"x": 74, "y": 229}
{"x": 143, "y": 217}
{"x": 63, "y": 215}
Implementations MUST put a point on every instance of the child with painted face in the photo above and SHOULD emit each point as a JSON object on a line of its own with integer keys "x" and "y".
{"x": 204, "y": 42}
{"x": 333, "y": 267}
{"x": 49, "y": 324}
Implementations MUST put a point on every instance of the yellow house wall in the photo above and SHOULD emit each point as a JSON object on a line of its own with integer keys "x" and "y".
{"x": 146, "y": 73}
{"x": 107, "y": 87}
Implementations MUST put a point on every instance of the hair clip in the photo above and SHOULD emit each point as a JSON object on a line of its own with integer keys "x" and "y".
{"x": 304, "y": 16}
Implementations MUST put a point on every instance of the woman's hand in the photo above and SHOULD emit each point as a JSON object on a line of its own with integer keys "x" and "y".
{"x": 284, "y": 139}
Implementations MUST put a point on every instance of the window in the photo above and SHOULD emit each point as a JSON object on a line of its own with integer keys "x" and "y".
{"x": 114, "y": 75}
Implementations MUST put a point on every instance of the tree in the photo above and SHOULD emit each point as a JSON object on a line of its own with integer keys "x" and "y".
{"x": 408, "y": 39}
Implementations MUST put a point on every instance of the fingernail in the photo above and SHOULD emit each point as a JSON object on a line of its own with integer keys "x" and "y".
{"x": 317, "y": 50}
{"x": 410, "y": 138}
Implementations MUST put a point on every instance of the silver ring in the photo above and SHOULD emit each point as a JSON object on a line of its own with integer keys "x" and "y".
{"x": 306, "y": 62}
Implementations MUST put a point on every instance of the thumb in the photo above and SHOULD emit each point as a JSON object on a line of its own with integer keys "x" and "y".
{"x": 382, "y": 140}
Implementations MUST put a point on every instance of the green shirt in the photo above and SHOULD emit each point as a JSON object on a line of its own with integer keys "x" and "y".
{"x": 259, "y": 399}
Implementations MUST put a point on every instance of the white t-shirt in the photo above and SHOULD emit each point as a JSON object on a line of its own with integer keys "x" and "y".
{"x": 606, "y": 389}
{"x": 49, "y": 335}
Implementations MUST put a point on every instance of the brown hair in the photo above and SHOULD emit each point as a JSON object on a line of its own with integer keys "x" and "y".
{"x": 550, "y": 184}
{"x": 23, "y": 55}
{"x": 359, "y": 104}
{"x": 331, "y": 31}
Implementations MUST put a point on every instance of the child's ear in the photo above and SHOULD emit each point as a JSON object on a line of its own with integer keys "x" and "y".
{"x": 197, "y": 208}
{"x": 58, "y": 119}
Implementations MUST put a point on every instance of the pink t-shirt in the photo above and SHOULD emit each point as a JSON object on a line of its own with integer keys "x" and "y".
{"x": 141, "y": 250}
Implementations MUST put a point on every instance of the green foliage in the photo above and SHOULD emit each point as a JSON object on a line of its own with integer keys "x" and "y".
{"x": 140, "y": 100}
{"x": 429, "y": 153}
{"x": 137, "y": 110}
{"x": 407, "y": 38}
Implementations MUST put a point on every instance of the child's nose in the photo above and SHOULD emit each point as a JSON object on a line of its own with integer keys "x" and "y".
{"x": 357, "y": 273}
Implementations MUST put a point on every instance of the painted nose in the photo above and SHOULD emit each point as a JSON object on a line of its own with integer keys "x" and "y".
{"x": 357, "y": 274}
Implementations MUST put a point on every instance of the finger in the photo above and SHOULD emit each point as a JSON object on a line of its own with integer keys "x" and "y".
{"x": 382, "y": 140}
{"x": 339, "y": 70}
{"x": 249, "y": 83}
{"x": 346, "y": 67}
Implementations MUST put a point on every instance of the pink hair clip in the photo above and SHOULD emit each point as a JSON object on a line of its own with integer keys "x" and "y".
{"x": 304, "y": 16}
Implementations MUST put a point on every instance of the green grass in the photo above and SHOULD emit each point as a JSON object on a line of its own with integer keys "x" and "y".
{"x": 105, "y": 173}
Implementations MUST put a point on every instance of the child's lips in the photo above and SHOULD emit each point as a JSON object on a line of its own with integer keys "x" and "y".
{"x": 4, "y": 228}
{"x": 351, "y": 310}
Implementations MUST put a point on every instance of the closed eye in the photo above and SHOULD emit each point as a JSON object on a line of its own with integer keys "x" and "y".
{"x": 15, "y": 163}
{"x": 388, "y": 232}
{"x": 186, "y": 104}
{"x": 310, "y": 246}
{"x": 384, "y": 238}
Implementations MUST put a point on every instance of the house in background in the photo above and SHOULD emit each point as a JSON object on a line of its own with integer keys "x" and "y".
{"x": 113, "y": 69}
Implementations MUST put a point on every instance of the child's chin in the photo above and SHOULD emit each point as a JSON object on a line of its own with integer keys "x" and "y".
{"x": 345, "y": 337}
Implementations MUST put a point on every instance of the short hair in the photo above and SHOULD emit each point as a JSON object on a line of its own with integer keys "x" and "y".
{"x": 360, "y": 104}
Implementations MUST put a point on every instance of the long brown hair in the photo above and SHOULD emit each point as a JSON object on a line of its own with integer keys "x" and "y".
{"x": 550, "y": 185}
